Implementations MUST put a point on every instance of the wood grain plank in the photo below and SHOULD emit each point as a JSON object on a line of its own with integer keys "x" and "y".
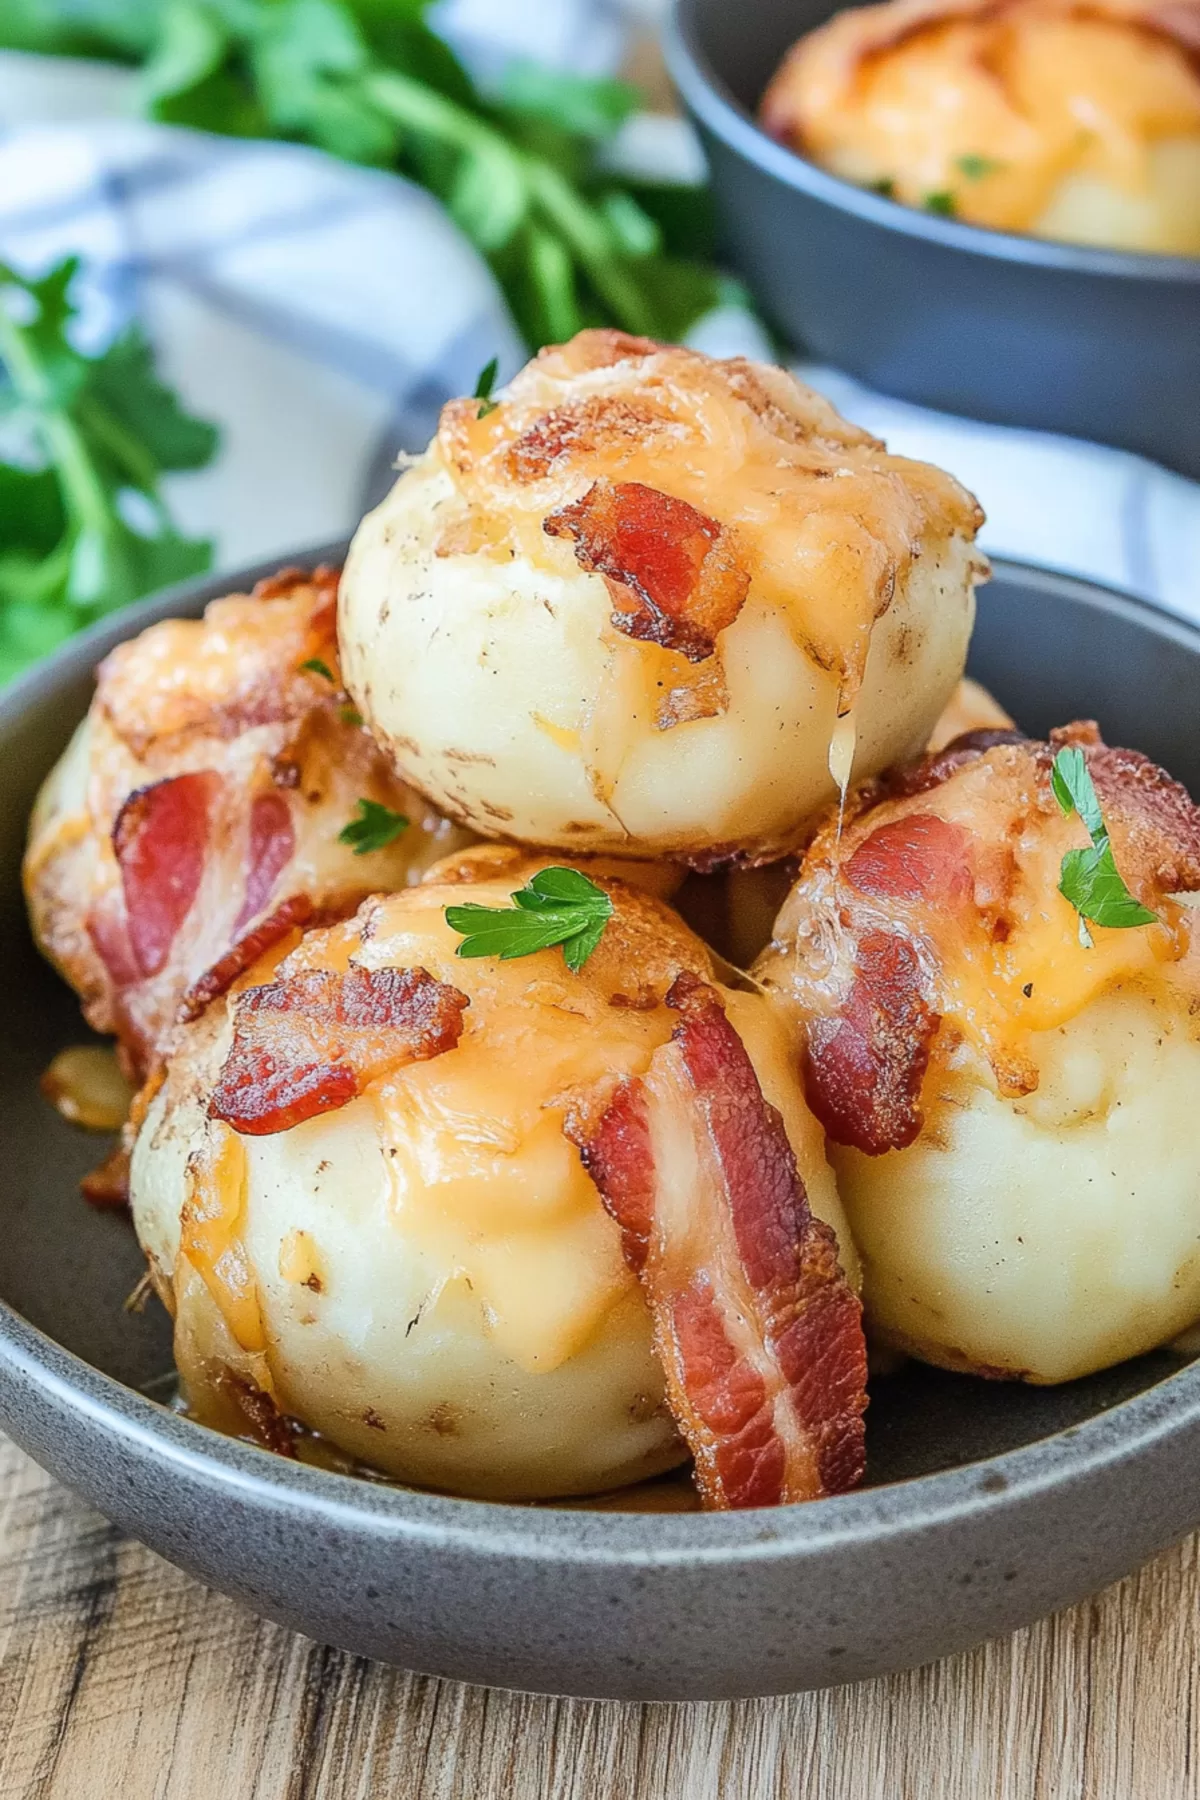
{"x": 121, "y": 1677}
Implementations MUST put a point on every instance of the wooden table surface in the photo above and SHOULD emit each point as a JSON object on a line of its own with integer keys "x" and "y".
{"x": 121, "y": 1679}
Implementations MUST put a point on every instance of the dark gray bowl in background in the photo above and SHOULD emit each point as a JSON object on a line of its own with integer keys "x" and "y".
{"x": 1096, "y": 343}
{"x": 989, "y": 1505}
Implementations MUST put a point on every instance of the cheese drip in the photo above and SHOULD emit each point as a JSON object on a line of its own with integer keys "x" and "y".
{"x": 211, "y": 1239}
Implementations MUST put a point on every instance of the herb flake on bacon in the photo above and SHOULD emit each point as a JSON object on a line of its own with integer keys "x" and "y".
{"x": 758, "y": 1331}
{"x": 312, "y": 1041}
{"x": 673, "y": 573}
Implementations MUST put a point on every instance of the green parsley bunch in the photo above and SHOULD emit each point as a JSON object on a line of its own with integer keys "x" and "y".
{"x": 83, "y": 444}
{"x": 369, "y": 80}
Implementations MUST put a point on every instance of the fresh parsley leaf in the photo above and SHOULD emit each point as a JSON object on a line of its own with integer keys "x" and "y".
{"x": 1075, "y": 791}
{"x": 350, "y": 715}
{"x": 975, "y": 167}
{"x": 314, "y": 666}
{"x": 885, "y": 187}
{"x": 557, "y": 906}
{"x": 941, "y": 202}
{"x": 484, "y": 386}
{"x": 375, "y": 828}
{"x": 84, "y": 442}
{"x": 1090, "y": 879}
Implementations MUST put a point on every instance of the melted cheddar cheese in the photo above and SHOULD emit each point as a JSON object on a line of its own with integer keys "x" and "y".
{"x": 1004, "y": 959}
{"x": 211, "y": 1238}
{"x": 742, "y": 443}
{"x": 426, "y": 1274}
{"x": 1061, "y": 118}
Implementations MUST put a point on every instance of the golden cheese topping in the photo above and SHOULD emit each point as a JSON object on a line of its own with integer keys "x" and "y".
{"x": 1074, "y": 119}
{"x": 208, "y": 786}
{"x": 937, "y": 914}
{"x": 1013, "y": 963}
{"x": 804, "y": 512}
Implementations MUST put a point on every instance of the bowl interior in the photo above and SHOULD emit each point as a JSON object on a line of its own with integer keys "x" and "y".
{"x": 1051, "y": 648}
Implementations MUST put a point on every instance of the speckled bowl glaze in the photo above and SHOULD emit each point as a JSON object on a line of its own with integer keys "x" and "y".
{"x": 989, "y": 1504}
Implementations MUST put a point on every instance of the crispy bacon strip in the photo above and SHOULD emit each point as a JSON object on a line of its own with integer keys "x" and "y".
{"x": 864, "y": 1065}
{"x": 108, "y": 929}
{"x": 918, "y": 856}
{"x": 312, "y": 1041}
{"x": 161, "y": 840}
{"x": 272, "y": 841}
{"x": 240, "y": 956}
{"x": 759, "y": 1333}
{"x": 598, "y": 424}
{"x": 673, "y": 573}
{"x": 932, "y": 770}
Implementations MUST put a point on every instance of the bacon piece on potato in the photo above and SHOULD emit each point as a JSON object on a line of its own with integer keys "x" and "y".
{"x": 673, "y": 574}
{"x": 864, "y": 1065}
{"x": 208, "y": 787}
{"x": 757, "y": 1328}
{"x": 311, "y": 1041}
{"x": 161, "y": 841}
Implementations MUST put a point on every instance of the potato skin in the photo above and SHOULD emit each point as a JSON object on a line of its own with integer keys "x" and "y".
{"x": 1051, "y": 1236}
{"x": 486, "y": 658}
{"x": 436, "y": 1286}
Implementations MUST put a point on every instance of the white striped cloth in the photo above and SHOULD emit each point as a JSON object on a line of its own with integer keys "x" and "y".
{"x": 321, "y": 314}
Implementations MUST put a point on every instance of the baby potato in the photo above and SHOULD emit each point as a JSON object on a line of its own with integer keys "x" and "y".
{"x": 623, "y": 609}
{"x": 1005, "y": 1083}
{"x": 416, "y": 1265}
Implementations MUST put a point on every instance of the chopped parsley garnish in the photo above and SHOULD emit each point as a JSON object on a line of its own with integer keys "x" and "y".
{"x": 975, "y": 167}
{"x": 941, "y": 202}
{"x": 314, "y": 666}
{"x": 1090, "y": 879}
{"x": 484, "y": 386}
{"x": 558, "y": 906}
{"x": 374, "y": 829}
{"x": 350, "y": 715}
{"x": 885, "y": 186}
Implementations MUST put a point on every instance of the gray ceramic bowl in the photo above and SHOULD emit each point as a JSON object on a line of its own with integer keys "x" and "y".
{"x": 990, "y": 1503}
{"x": 1098, "y": 343}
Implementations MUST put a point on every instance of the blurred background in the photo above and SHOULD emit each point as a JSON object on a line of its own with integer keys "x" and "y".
{"x": 249, "y": 247}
